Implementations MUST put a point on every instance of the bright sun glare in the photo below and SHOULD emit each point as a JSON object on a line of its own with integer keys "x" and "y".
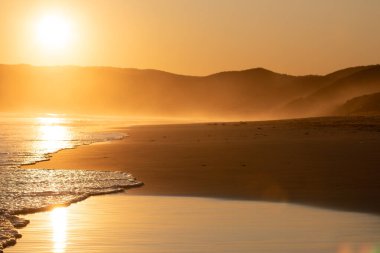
{"x": 58, "y": 217}
{"x": 54, "y": 32}
{"x": 53, "y": 134}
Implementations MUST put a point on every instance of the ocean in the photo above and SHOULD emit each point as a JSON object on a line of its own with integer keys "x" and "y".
{"x": 27, "y": 140}
{"x": 123, "y": 223}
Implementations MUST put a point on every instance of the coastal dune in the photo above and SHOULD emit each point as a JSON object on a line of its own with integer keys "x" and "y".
{"x": 328, "y": 162}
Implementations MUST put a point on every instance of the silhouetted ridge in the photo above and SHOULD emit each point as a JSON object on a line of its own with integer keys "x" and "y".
{"x": 255, "y": 93}
{"x": 363, "y": 105}
{"x": 246, "y": 72}
{"x": 348, "y": 71}
{"x": 340, "y": 87}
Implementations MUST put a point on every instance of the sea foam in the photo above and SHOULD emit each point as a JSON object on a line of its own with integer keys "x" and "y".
{"x": 24, "y": 191}
{"x": 33, "y": 139}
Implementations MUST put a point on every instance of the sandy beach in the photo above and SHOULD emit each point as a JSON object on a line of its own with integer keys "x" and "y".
{"x": 328, "y": 162}
{"x": 303, "y": 185}
{"x": 163, "y": 126}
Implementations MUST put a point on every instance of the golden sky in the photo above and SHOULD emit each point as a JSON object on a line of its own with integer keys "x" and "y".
{"x": 195, "y": 37}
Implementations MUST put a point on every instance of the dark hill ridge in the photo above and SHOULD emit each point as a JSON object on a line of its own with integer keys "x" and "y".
{"x": 347, "y": 72}
{"x": 340, "y": 87}
{"x": 249, "y": 94}
{"x": 367, "y": 104}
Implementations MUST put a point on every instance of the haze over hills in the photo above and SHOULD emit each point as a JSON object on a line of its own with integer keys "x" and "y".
{"x": 363, "y": 105}
{"x": 250, "y": 94}
{"x": 346, "y": 85}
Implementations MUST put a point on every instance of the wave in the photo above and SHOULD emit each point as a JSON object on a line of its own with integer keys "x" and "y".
{"x": 31, "y": 140}
{"x": 35, "y": 190}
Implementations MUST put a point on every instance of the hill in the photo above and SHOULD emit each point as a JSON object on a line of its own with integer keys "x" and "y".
{"x": 249, "y": 94}
{"x": 363, "y": 105}
{"x": 342, "y": 86}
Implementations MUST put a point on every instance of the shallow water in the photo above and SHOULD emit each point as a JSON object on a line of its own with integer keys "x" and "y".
{"x": 143, "y": 224}
{"x": 32, "y": 139}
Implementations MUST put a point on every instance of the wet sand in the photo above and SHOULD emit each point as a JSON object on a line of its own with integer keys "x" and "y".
{"x": 329, "y": 162}
{"x": 146, "y": 224}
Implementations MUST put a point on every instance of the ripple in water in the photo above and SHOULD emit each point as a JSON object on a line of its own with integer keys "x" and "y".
{"x": 28, "y": 191}
{"x": 29, "y": 140}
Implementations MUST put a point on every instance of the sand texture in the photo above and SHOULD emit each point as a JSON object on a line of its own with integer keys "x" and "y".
{"x": 330, "y": 162}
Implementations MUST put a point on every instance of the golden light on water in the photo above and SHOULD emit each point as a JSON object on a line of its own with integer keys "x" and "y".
{"x": 50, "y": 120}
{"x": 58, "y": 221}
{"x": 53, "y": 134}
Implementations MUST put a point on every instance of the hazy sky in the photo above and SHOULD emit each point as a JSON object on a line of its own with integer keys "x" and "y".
{"x": 196, "y": 37}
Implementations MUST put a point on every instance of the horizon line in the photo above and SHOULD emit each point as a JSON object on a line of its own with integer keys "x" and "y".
{"x": 178, "y": 74}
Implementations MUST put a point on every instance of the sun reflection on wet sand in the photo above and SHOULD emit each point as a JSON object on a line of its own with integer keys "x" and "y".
{"x": 121, "y": 223}
{"x": 58, "y": 221}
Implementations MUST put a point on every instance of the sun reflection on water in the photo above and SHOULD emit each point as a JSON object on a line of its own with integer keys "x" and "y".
{"x": 53, "y": 134}
{"x": 50, "y": 120}
{"x": 58, "y": 221}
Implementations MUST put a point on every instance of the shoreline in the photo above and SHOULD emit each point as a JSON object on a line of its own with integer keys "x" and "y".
{"x": 315, "y": 161}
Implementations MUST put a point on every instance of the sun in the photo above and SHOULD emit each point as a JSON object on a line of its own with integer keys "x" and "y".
{"x": 54, "y": 32}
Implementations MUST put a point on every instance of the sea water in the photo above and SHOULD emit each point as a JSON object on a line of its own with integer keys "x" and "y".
{"x": 27, "y": 140}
